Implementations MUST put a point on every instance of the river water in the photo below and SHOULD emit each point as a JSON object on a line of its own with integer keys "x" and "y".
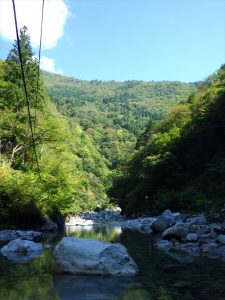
{"x": 161, "y": 277}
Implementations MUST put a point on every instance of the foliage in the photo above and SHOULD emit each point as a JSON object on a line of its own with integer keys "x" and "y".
{"x": 72, "y": 171}
{"x": 179, "y": 162}
{"x": 113, "y": 114}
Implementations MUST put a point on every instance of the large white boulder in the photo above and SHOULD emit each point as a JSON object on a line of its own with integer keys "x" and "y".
{"x": 90, "y": 256}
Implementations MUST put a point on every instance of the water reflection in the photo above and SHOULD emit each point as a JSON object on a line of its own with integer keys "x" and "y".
{"x": 161, "y": 277}
{"x": 72, "y": 287}
{"x": 104, "y": 233}
{"x": 30, "y": 287}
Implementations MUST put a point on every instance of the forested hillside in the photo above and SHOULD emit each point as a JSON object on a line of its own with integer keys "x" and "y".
{"x": 72, "y": 172}
{"x": 114, "y": 113}
{"x": 180, "y": 162}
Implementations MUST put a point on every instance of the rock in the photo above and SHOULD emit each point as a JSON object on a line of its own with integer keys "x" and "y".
{"x": 177, "y": 215}
{"x": 177, "y": 231}
{"x": 190, "y": 248}
{"x": 8, "y": 235}
{"x": 221, "y": 239}
{"x": 89, "y": 256}
{"x": 77, "y": 220}
{"x": 21, "y": 258}
{"x": 165, "y": 220}
{"x": 210, "y": 247}
{"x": 198, "y": 219}
{"x": 192, "y": 237}
{"x": 21, "y": 246}
{"x": 146, "y": 224}
{"x": 220, "y": 229}
{"x": 164, "y": 245}
{"x": 21, "y": 251}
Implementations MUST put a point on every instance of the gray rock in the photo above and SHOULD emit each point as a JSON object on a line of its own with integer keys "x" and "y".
{"x": 21, "y": 251}
{"x": 198, "y": 219}
{"x": 21, "y": 258}
{"x": 177, "y": 215}
{"x": 210, "y": 247}
{"x": 77, "y": 220}
{"x": 190, "y": 248}
{"x": 8, "y": 235}
{"x": 89, "y": 256}
{"x": 21, "y": 246}
{"x": 177, "y": 231}
{"x": 221, "y": 239}
{"x": 219, "y": 229}
{"x": 164, "y": 245}
{"x": 192, "y": 237}
{"x": 165, "y": 220}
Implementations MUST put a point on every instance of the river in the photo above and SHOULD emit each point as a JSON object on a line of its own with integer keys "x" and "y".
{"x": 161, "y": 277}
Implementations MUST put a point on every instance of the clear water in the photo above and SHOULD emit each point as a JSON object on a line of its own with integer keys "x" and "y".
{"x": 161, "y": 277}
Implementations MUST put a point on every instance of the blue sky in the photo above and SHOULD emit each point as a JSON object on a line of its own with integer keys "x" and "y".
{"x": 134, "y": 39}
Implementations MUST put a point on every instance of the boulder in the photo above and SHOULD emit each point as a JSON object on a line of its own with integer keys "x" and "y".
{"x": 77, "y": 220}
{"x": 190, "y": 248}
{"x": 177, "y": 231}
{"x": 164, "y": 245}
{"x": 210, "y": 247}
{"x": 198, "y": 219}
{"x": 10, "y": 234}
{"x": 21, "y": 251}
{"x": 192, "y": 237}
{"x": 165, "y": 220}
{"x": 90, "y": 256}
{"x": 21, "y": 246}
{"x": 221, "y": 239}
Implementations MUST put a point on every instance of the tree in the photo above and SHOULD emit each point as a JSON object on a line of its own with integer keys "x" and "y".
{"x": 15, "y": 129}
{"x": 13, "y": 73}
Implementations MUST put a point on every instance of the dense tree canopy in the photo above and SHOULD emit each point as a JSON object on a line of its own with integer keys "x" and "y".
{"x": 163, "y": 140}
{"x": 114, "y": 113}
{"x": 179, "y": 162}
{"x": 72, "y": 170}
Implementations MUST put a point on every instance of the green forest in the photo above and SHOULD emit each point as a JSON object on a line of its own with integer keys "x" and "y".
{"x": 73, "y": 174}
{"x": 179, "y": 162}
{"x": 144, "y": 146}
{"x": 114, "y": 114}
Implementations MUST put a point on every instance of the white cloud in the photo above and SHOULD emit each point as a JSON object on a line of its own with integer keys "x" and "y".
{"x": 29, "y": 13}
{"x": 48, "y": 64}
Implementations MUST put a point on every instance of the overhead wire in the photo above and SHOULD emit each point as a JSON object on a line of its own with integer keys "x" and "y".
{"x": 25, "y": 89}
{"x": 39, "y": 60}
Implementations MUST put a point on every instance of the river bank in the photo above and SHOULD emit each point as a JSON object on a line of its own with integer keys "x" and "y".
{"x": 184, "y": 237}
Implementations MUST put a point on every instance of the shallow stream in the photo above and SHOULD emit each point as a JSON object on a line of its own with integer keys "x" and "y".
{"x": 161, "y": 277}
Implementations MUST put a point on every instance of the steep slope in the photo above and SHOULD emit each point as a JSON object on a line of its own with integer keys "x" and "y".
{"x": 180, "y": 162}
{"x": 114, "y": 113}
{"x": 65, "y": 172}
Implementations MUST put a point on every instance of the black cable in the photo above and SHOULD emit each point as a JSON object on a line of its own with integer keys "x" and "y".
{"x": 25, "y": 88}
{"x": 39, "y": 59}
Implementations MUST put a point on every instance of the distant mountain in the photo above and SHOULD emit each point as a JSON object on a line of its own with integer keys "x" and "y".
{"x": 113, "y": 113}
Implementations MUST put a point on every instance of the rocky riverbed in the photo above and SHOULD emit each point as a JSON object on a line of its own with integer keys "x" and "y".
{"x": 183, "y": 237}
